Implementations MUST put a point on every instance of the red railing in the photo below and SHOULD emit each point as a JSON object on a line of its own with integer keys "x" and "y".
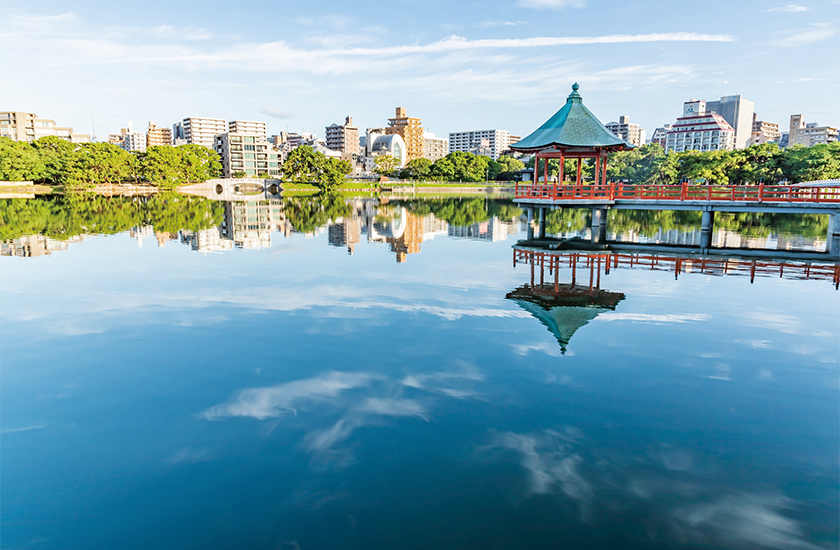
{"x": 709, "y": 266}
{"x": 681, "y": 193}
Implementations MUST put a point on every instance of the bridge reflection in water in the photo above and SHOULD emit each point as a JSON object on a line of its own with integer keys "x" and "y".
{"x": 566, "y": 307}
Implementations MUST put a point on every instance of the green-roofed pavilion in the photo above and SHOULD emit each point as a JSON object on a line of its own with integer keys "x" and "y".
{"x": 573, "y": 132}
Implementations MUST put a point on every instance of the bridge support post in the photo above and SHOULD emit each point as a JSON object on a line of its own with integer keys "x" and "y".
{"x": 832, "y": 244}
{"x": 530, "y": 235}
{"x": 599, "y": 225}
{"x": 707, "y": 225}
{"x": 542, "y": 222}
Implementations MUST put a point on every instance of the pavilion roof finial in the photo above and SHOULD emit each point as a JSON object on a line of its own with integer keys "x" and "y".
{"x": 574, "y": 97}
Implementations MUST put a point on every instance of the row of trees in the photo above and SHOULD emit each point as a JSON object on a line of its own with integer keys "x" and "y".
{"x": 456, "y": 166}
{"x": 65, "y": 216}
{"x": 55, "y": 161}
{"x": 305, "y": 165}
{"x": 650, "y": 164}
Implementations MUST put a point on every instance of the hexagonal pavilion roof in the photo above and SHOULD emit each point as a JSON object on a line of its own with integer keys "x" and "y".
{"x": 573, "y": 126}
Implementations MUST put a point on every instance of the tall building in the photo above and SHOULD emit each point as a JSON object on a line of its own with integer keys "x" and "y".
{"x": 808, "y": 134}
{"x": 738, "y": 112}
{"x": 117, "y": 139}
{"x": 434, "y": 148}
{"x": 158, "y": 136}
{"x": 764, "y": 132}
{"x": 199, "y": 131}
{"x": 490, "y": 143}
{"x": 246, "y": 153}
{"x": 629, "y": 132}
{"x": 344, "y": 138}
{"x": 20, "y": 126}
{"x": 134, "y": 142}
{"x": 699, "y": 130}
{"x": 410, "y": 130}
{"x": 247, "y": 127}
{"x": 660, "y": 135}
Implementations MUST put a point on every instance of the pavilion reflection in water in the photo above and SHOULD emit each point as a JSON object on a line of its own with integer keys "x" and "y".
{"x": 564, "y": 307}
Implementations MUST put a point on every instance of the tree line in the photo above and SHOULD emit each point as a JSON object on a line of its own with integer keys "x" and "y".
{"x": 54, "y": 161}
{"x": 766, "y": 163}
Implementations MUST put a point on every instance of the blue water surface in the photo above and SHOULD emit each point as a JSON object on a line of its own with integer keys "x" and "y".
{"x": 298, "y": 397}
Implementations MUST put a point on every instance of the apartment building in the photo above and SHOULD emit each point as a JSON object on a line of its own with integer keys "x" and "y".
{"x": 156, "y": 135}
{"x": 117, "y": 139}
{"x": 808, "y": 134}
{"x": 660, "y": 135}
{"x": 411, "y": 132}
{"x": 246, "y": 153}
{"x": 738, "y": 112}
{"x": 344, "y": 138}
{"x": 19, "y": 126}
{"x": 629, "y": 132}
{"x": 199, "y": 131}
{"x": 434, "y": 148}
{"x": 134, "y": 142}
{"x": 247, "y": 127}
{"x": 764, "y": 132}
{"x": 699, "y": 130}
{"x": 490, "y": 143}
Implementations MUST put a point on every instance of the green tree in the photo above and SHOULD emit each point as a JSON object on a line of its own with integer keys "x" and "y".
{"x": 461, "y": 166}
{"x": 385, "y": 165}
{"x": 417, "y": 169}
{"x": 303, "y": 165}
{"x": 19, "y": 161}
{"x": 505, "y": 167}
{"x": 163, "y": 167}
{"x": 333, "y": 173}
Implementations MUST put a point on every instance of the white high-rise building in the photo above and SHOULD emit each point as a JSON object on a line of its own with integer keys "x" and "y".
{"x": 699, "y": 130}
{"x": 198, "y": 131}
{"x": 434, "y": 148}
{"x": 738, "y": 112}
{"x": 490, "y": 143}
{"x": 247, "y": 127}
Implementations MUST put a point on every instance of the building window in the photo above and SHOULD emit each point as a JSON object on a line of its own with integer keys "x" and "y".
{"x": 249, "y": 147}
{"x": 249, "y": 156}
{"x": 249, "y": 139}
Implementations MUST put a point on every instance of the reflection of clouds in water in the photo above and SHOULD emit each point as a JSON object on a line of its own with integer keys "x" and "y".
{"x": 556, "y": 463}
{"x": 744, "y": 518}
{"x": 365, "y": 399}
{"x": 655, "y": 318}
{"x": 779, "y": 322}
{"x": 262, "y": 403}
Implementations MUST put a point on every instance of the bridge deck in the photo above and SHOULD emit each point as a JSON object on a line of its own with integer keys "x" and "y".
{"x": 682, "y": 197}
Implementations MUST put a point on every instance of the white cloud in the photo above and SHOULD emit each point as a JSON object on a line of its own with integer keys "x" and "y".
{"x": 551, "y": 4}
{"x": 791, "y": 8}
{"x": 502, "y": 23}
{"x": 278, "y": 113}
{"x": 805, "y": 37}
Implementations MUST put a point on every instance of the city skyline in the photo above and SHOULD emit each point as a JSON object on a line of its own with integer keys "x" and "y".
{"x": 493, "y": 65}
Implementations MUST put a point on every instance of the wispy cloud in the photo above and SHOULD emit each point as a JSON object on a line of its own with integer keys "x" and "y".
{"x": 551, "y": 4}
{"x": 805, "y": 37}
{"x": 791, "y": 8}
{"x": 502, "y": 23}
{"x": 282, "y": 114}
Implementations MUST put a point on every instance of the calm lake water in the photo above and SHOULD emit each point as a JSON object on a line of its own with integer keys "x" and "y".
{"x": 318, "y": 374}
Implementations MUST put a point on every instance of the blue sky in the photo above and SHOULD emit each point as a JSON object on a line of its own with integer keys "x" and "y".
{"x": 457, "y": 65}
